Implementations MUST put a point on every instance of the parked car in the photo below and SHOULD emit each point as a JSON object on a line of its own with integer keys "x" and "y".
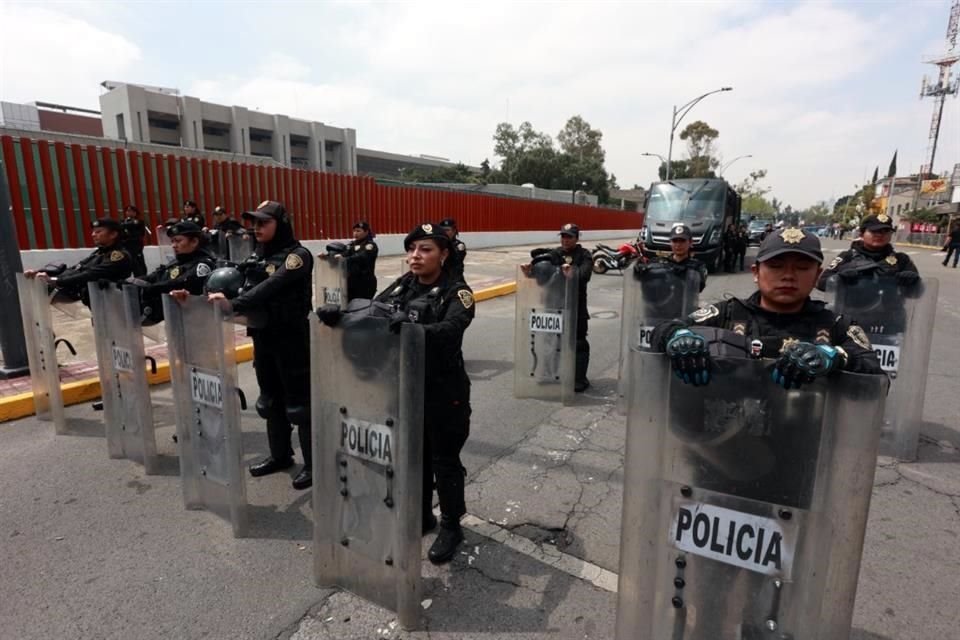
{"x": 757, "y": 231}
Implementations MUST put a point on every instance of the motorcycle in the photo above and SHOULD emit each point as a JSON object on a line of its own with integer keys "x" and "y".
{"x": 606, "y": 257}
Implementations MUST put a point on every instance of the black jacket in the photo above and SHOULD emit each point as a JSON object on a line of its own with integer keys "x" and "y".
{"x": 458, "y": 254}
{"x": 361, "y": 259}
{"x": 279, "y": 280}
{"x": 887, "y": 261}
{"x": 689, "y": 264}
{"x": 814, "y": 323}
{"x": 185, "y": 271}
{"x": 112, "y": 263}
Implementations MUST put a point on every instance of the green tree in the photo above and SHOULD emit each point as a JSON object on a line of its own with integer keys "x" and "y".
{"x": 700, "y": 138}
{"x": 579, "y": 139}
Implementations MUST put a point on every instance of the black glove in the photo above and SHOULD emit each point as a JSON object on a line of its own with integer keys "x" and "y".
{"x": 329, "y": 314}
{"x": 397, "y": 318}
{"x": 690, "y": 356}
{"x": 849, "y": 275}
{"x": 103, "y": 284}
{"x": 639, "y": 268}
{"x": 803, "y": 362}
{"x": 535, "y": 253}
{"x": 907, "y": 278}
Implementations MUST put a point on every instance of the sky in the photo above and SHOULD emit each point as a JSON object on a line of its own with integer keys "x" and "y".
{"x": 823, "y": 93}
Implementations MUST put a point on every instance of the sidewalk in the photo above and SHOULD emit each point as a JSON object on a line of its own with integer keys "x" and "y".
{"x": 490, "y": 272}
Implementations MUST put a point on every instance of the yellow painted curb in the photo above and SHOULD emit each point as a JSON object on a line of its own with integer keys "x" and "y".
{"x": 21, "y": 405}
{"x": 918, "y": 246}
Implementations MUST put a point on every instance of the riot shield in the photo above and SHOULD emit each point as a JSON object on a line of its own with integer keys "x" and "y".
{"x": 656, "y": 295}
{"x": 745, "y": 505}
{"x": 899, "y": 323}
{"x": 41, "y": 351}
{"x": 164, "y": 249}
{"x": 203, "y": 372}
{"x": 330, "y": 281}
{"x": 237, "y": 246}
{"x": 545, "y": 333}
{"x": 127, "y": 410}
{"x": 367, "y": 413}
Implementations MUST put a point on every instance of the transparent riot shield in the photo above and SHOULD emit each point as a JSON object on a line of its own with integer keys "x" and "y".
{"x": 545, "y": 334}
{"x": 656, "y": 295}
{"x": 330, "y": 281}
{"x": 237, "y": 246}
{"x": 41, "y": 351}
{"x": 121, "y": 360}
{"x": 745, "y": 505}
{"x": 899, "y": 324}
{"x": 203, "y": 372}
{"x": 163, "y": 245}
{"x": 367, "y": 413}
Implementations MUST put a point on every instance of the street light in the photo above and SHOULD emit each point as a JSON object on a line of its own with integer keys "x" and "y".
{"x": 681, "y": 112}
{"x": 655, "y": 155}
{"x": 724, "y": 167}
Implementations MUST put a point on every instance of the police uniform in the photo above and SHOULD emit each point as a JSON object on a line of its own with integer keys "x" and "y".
{"x": 361, "y": 261}
{"x": 581, "y": 260}
{"x": 743, "y": 241}
{"x": 680, "y": 267}
{"x": 196, "y": 217}
{"x": 111, "y": 263}
{"x": 761, "y": 333}
{"x": 885, "y": 261}
{"x": 134, "y": 231}
{"x": 227, "y": 225}
{"x": 458, "y": 250}
{"x": 729, "y": 248}
{"x": 278, "y": 282}
{"x": 445, "y": 308}
{"x": 185, "y": 271}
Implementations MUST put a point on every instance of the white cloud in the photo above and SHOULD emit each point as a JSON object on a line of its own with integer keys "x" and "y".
{"x": 49, "y": 55}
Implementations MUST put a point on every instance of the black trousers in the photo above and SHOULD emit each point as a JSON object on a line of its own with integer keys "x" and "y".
{"x": 281, "y": 360}
{"x": 446, "y": 426}
{"x": 583, "y": 347}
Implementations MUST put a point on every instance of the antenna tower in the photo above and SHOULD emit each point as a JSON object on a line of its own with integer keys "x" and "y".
{"x": 944, "y": 86}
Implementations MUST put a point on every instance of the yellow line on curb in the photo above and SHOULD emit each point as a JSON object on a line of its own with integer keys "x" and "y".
{"x": 919, "y": 246}
{"x": 21, "y": 405}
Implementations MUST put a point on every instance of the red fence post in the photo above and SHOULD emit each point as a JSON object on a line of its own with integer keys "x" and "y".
{"x": 84, "y": 203}
{"x": 163, "y": 182}
{"x": 69, "y": 214}
{"x": 50, "y": 191}
{"x": 16, "y": 196}
{"x": 123, "y": 177}
{"x": 36, "y": 209}
{"x": 109, "y": 183}
{"x": 152, "y": 216}
{"x": 138, "y": 187}
{"x": 95, "y": 182}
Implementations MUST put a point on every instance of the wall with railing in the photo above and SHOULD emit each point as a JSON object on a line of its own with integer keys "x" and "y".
{"x": 57, "y": 188}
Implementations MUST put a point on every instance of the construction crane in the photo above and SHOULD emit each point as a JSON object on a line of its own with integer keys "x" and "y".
{"x": 945, "y": 84}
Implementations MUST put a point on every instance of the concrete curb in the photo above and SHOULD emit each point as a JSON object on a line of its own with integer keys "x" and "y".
{"x": 21, "y": 405}
{"x": 918, "y": 246}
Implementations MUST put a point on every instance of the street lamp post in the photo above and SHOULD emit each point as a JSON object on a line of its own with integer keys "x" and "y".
{"x": 724, "y": 167}
{"x": 678, "y": 115}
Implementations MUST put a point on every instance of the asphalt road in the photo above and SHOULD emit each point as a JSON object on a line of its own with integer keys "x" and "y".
{"x": 93, "y": 548}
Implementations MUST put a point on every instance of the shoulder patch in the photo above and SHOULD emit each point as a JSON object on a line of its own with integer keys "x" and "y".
{"x": 116, "y": 256}
{"x": 461, "y": 246}
{"x": 270, "y": 269}
{"x": 369, "y": 247}
{"x": 568, "y": 259}
{"x": 203, "y": 270}
{"x": 293, "y": 261}
{"x": 705, "y": 313}
{"x": 466, "y": 298}
{"x": 835, "y": 263}
{"x": 858, "y": 335}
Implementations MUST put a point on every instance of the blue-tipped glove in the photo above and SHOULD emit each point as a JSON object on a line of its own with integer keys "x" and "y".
{"x": 690, "y": 356}
{"x": 802, "y": 362}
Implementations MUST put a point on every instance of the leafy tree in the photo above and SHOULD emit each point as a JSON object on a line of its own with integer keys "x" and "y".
{"x": 818, "y": 214}
{"x": 876, "y": 174}
{"x": 700, "y": 138}
{"x": 579, "y": 139}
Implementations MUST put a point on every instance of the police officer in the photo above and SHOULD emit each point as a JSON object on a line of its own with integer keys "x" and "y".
{"x": 187, "y": 271}
{"x": 192, "y": 213}
{"x": 133, "y": 234}
{"x": 432, "y": 295}
{"x": 361, "y": 259}
{"x": 872, "y": 253}
{"x": 110, "y": 261}
{"x": 279, "y": 283}
{"x": 224, "y": 223}
{"x": 952, "y": 246}
{"x": 729, "y": 247}
{"x": 680, "y": 258}
{"x": 570, "y": 257}
{"x": 458, "y": 252}
{"x": 778, "y": 321}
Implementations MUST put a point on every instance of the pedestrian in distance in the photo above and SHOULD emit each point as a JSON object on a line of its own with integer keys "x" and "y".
{"x": 134, "y": 232}
{"x": 779, "y": 321}
{"x": 433, "y": 295}
{"x": 278, "y": 283}
{"x": 361, "y": 261}
{"x": 953, "y": 246}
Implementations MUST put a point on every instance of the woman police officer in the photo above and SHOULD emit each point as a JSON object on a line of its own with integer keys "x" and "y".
{"x": 429, "y": 294}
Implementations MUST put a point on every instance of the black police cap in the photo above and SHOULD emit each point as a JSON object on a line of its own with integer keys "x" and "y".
{"x": 427, "y": 231}
{"x": 448, "y": 223}
{"x": 106, "y": 223}
{"x": 790, "y": 240}
{"x": 131, "y": 208}
{"x": 681, "y": 231}
{"x": 362, "y": 224}
{"x": 190, "y": 203}
{"x": 879, "y": 222}
{"x": 267, "y": 210}
{"x": 570, "y": 229}
{"x": 185, "y": 228}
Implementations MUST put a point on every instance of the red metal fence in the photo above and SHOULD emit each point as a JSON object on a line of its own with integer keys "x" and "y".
{"x": 57, "y": 188}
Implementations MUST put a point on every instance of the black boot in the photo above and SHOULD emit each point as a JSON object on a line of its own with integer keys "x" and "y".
{"x": 268, "y": 465}
{"x": 429, "y": 522}
{"x": 445, "y": 546}
{"x": 304, "y": 479}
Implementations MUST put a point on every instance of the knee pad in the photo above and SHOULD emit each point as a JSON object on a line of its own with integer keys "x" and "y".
{"x": 298, "y": 414}
{"x": 267, "y": 407}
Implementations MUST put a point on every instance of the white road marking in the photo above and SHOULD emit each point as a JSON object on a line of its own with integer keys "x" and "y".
{"x": 547, "y": 554}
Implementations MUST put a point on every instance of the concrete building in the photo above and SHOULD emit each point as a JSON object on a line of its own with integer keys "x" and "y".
{"x": 46, "y": 116}
{"x": 156, "y": 115}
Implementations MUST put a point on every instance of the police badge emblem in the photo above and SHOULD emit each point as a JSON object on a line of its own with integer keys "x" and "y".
{"x": 705, "y": 313}
{"x": 858, "y": 335}
{"x": 787, "y": 343}
{"x": 678, "y": 229}
{"x": 427, "y": 228}
{"x": 466, "y": 298}
{"x": 567, "y": 227}
{"x": 884, "y": 218}
{"x": 568, "y": 259}
{"x": 116, "y": 256}
{"x": 270, "y": 269}
{"x": 203, "y": 270}
{"x": 369, "y": 247}
{"x": 461, "y": 246}
{"x": 292, "y": 262}
{"x": 792, "y": 235}
{"x": 263, "y": 204}
{"x": 174, "y": 273}
{"x": 891, "y": 260}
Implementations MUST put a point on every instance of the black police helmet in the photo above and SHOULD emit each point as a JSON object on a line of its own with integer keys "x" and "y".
{"x": 226, "y": 280}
